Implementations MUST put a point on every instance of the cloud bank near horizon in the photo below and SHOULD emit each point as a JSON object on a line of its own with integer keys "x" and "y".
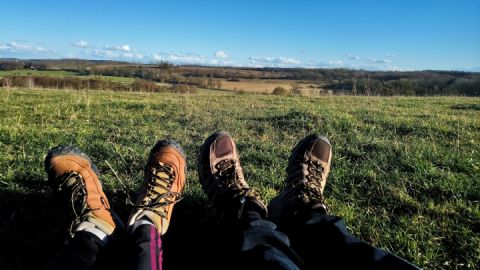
{"x": 125, "y": 52}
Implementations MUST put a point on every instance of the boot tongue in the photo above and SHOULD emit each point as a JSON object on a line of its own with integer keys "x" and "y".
{"x": 70, "y": 181}
{"x": 223, "y": 147}
{"x": 321, "y": 150}
{"x": 162, "y": 175}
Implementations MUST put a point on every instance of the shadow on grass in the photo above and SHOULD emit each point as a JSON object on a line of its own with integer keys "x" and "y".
{"x": 34, "y": 227}
{"x": 475, "y": 107}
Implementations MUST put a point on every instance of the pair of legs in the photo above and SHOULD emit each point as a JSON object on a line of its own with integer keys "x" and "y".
{"x": 293, "y": 232}
{"x": 95, "y": 229}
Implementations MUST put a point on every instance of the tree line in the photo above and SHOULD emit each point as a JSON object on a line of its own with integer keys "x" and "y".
{"x": 138, "y": 85}
{"x": 339, "y": 81}
{"x": 162, "y": 74}
{"x": 407, "y": 87}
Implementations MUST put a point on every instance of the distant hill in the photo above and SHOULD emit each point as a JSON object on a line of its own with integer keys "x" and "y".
{"x": 54, "y": 64}
{"x": 338, "y": 81}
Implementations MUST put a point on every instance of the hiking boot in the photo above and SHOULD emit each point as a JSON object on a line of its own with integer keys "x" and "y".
{"x": 72, "y": 172}
{"x": 222, "y": 179}
{"x": 162, "y": 187}
{"x": 307, "y": 171}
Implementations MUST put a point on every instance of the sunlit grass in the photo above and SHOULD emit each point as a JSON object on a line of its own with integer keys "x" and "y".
{"x": 405, "y": 176}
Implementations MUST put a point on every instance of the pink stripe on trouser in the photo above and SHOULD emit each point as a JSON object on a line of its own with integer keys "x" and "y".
{"x": 156, "y": 251}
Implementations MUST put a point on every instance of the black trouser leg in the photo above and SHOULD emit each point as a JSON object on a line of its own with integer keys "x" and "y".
{"x": 80, "y": 253}
{"x": 146, "y": 250}
{"x": 256, "y": 244}
{"x": 323, "y": 241}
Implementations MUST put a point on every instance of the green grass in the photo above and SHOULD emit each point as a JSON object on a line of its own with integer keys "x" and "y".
{"x": 62, "y": 74}
{"x": 124, "y": 80}
{"x": 51, "y": 73}
{"x": 405, "y": 175}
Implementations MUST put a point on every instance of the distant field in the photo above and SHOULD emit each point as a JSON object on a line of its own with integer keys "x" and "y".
{"x": 266, "y": 86}
{"x": 54, "y": 73}
{"x": 405, "y": 175}
{"x": 124, "y": 80}
{"x": 61, "y": 74}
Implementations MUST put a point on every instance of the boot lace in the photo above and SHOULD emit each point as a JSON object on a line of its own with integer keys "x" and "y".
{"x": 227, "y": 180}
{"x": 315, "y": 171}
{"x": 230, "y": 188}
{"x": 227, "y": 173}
{"x": 163, "y": 176}
{"x": 310, "y": 192}
{"x": 72, "y": 183}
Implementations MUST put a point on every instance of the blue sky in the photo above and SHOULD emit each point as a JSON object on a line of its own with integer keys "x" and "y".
{"x": 368, "y": 34}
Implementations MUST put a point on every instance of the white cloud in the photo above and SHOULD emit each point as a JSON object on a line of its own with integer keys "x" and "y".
{"x": 109, "y": 54}
{"x": 274, "y": 61}
{"x": 132, "y": 55}
{"x": 336, "y": 63}
{"x": 321, "y": 64}
{"x": 371, "y": 61}
{"x": 379, "y": 61}
{"x": 341, "y": 64}
{"x": 20, "y": 47}
{"x": 352, "y": 57}
{"x": 289, "y": 61}
{"x": 180, "y": 58}
{"x": 119, "y": 52}
{"x": 231, "y": 63}
{"x": 221, "y": 54}
{"x": 21, "y": 41}
{"x": 80, "y": 44}
{"x": 122, "y": 48}
{"x": 183, "y": 58}
{"x": 394, "y": 68}
{"x": 105, "y": 53}
{"x": 16, "y": 46}
{"x": 41, "y": 49}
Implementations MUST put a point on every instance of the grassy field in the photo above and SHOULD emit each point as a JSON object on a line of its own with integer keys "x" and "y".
{"x": 62, "y": 74}
{"x": 405, "y": 175}
{"x": 25, "y": 72}
{"x": 267, "y": 86}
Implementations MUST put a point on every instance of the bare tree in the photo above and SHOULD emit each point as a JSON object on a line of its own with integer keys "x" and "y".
{"x": 354, "y": 86}
{"x": 367, "y": 85}
{"x": 296, "y": 88}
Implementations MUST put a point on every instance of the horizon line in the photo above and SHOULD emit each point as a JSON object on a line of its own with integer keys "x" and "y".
{"x": 180, "y": 64}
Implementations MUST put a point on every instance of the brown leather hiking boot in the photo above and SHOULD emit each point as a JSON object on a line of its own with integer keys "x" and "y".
{"x": 307, "y": 171}
{"x": 164, "y": 181}
{"x": 73, "y": 173}
{"x": 222, "y": 178}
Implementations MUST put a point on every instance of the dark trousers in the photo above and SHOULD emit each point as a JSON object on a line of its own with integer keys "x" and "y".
{"x": 316, "y": 241}
{"x": 141, "y": 250}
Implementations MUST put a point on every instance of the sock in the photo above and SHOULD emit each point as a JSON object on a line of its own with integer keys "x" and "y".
{"x": 87, "y": 226}
{"x": 143, "y": 220}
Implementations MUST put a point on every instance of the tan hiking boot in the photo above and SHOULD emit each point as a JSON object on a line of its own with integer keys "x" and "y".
{"x": 222, "y": 178}
{"x": 73, "y": 173}
{"x": 164, "y": 182}
{"x": 307, "y": 172}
